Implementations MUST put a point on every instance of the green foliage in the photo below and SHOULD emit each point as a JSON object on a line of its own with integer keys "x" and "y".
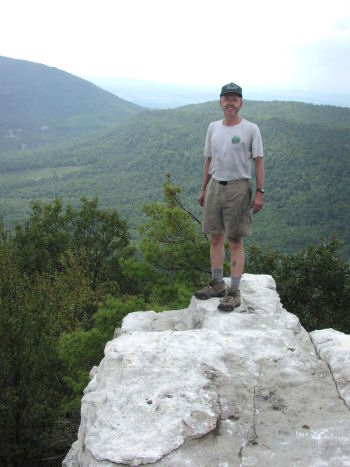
{"x": 33, "y": 312}
{"x": 72, "y": 290}
{"x": 161, "y": 290}
{"x": 54, "y": 270}
{"x": 259, "y": 261}
{"x": 314, "y": 284}
{"x": 97, "y": 239}
{"x": 171, "y": 295}
{"x": 172, "y": 241}
{"x": 104, "y": 236}
{"x": 140, "y": 276}
{"x": 42, "y": 239}
{"x": 306, "y": 148}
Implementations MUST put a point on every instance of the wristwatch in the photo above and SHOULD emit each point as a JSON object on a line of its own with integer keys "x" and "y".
{"x": 261, "y": 190}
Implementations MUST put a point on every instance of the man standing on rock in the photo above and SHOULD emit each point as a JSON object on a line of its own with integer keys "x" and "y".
{"x": 231, "y": 146}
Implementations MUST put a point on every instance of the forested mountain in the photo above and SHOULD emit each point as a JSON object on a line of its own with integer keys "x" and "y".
{"x": 41, "y": 104}
{"x": 307, "y": 149}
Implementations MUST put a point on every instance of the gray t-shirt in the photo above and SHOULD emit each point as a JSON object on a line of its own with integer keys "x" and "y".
{"x": 232, "y": 149}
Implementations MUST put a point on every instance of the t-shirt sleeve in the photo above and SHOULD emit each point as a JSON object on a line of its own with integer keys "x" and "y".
{"x": 207, "y": 147}
{"x": 257, "y": 146}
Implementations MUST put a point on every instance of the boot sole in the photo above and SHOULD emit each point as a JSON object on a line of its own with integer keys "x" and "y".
{"x": 227, "y": 307}
{"x": 205, "y": 297}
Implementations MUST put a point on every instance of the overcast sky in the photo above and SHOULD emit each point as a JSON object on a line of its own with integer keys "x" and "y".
{"x": 300, "y": 45}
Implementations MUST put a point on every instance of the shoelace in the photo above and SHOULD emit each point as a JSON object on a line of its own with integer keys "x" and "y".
{"x": 211, "y": 285}
{"x": 230, "y": 293}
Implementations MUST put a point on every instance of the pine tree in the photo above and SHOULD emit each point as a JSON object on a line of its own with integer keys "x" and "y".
{"x": 172, "y": 238}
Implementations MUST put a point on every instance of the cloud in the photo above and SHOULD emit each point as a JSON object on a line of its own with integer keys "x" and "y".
{"x": 324, "y": 66}
{"x": 302, "y": 44}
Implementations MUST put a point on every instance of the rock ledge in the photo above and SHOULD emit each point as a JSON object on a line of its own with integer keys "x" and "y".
{"x": 204, "y": 388}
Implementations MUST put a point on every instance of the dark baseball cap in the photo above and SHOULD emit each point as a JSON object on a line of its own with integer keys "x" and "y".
{"x": 231, "y": 88}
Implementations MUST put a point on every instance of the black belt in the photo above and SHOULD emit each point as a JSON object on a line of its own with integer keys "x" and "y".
{"x": 222, "y": 182}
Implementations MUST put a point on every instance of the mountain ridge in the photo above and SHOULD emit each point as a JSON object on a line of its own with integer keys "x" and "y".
{"x": 42, "y": 104}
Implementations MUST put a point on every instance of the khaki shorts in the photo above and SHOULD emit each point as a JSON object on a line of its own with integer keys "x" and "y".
{"x": 227, "y": 208}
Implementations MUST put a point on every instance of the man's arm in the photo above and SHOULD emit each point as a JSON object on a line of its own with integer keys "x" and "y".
{"x": 206, "y": 178}
{"x": 257, "y": 203}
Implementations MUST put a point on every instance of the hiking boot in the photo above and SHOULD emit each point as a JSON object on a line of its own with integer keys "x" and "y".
{"x": 213, "y": 289}
{"x": 231, "y": 300}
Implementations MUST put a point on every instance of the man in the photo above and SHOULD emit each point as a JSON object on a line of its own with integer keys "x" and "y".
{"x": 231, "y": 146}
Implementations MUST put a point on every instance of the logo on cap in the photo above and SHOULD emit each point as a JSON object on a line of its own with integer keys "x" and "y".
{"x": 232, "y": 87}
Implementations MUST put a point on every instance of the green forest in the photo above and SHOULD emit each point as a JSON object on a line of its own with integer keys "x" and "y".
{"x": 68, "y": 276}
{"x": 306, "y": 149}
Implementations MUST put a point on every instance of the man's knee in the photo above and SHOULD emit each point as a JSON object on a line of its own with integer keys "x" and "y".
{"x": 235, "y": 243}
{"x": 216, "y": 239}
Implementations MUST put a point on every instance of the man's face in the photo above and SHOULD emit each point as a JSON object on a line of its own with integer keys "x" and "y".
{"x": 231, "y": 104}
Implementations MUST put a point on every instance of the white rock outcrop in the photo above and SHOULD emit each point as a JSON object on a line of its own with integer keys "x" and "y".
{"x": 204, "y": 388}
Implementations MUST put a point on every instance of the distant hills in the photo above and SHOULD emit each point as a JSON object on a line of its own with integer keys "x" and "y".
{"x": 307, "y": 149}
{"x": 155, "y": 95}
{"x": 41, "y": 104}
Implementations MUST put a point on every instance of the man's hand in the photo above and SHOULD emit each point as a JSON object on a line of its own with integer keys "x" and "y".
{"x": 257, "y": 204}
{"x": 201, "y": 198}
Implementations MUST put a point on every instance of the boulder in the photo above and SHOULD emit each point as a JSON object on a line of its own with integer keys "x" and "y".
{"x": 202, "y": 388}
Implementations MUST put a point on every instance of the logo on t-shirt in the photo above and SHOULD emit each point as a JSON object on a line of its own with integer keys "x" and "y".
{"x": 236, "y": 139}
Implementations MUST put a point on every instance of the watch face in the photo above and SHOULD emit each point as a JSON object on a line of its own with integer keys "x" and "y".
{"x": 261, "y": 190}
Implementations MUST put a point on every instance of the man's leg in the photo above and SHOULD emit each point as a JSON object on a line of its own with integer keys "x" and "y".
{"x": 237, "y": 261}
{"x": 232, "y": 298}
{"x": 216, "y": 287}
{"x": 217, "y": 252}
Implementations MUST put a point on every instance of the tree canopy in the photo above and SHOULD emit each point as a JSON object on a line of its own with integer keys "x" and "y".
{"x": 306, "y": 157}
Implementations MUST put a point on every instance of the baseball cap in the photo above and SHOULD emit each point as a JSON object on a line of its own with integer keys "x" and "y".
{"x": 231, "y": 88}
